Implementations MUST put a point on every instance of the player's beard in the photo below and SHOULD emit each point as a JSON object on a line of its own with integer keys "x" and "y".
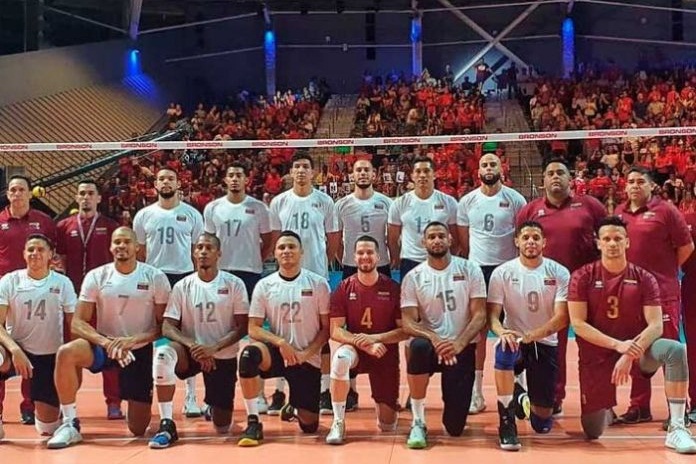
{"x": 166, "y": 195}
{"x": 438, "y": 254}
{"x": 367, "y": 268}
{"x": 490, "y": 180}
{"x": 364, "y": 186}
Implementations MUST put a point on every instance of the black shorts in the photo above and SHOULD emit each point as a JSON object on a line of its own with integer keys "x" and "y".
{"x": 43, "y": 387}
{"x": 487, "y": 272}
{"x": 541, "y": 363}
{"x": 174, "y": 278}
{"x": 352, "y": 270}
{"x": 219, "y": 383}
{"x": 250, "y": 280}
{"x": 406, "y": 266}
{"x": 457, "y": 381}
{"x": 135, "y": 380}
{"x": 304, "y": 380}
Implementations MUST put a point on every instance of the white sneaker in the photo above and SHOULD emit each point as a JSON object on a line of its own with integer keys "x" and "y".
{"x": 478, "y": 404}
{"x": 680, "y": 440}
{"x": 337, "y": 432}
{"x": 67, "y": 434}
{"x": 262, "y": 404}
{"x": 191, "y": 408}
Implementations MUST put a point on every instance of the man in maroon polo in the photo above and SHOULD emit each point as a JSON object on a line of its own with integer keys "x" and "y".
{"x": 660, "y": 243}
{"x": 569, "y": 227}
{"x": 688, "y": 299}
{"x": 82, "y": 244}
{"x": 17, "y": 222}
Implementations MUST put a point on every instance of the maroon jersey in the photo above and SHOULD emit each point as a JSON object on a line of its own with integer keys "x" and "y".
{"x": 569, "y": 229}
{"x": 14, "y": 232}
{"x": 86, "y": 251}
{"x": 368, "y": 310}
{"x": 614, "y": 303}
{"x": 656, "y": 231}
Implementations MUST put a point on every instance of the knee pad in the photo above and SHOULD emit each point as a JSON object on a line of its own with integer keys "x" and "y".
{"x": 249, "y": 362}
{"x": 341, "y": 363}
{"x": 505, "y": 360}
{"x": 420, "y": 359}
{"x": 539, "y": 424}
{"x": 164, "y": 365}
{"x": 312, "y": 427}
{"x": 46, "y": 428}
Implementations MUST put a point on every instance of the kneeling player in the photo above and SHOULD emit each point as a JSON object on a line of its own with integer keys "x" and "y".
{"x": 204, "y": 321}
{"x": 33, "y": 304}
{"x": 615, "y": 311}
{"x": 367, "y": 305}
{"x": 295, "y": 302}
{"x": 533, "y": 290}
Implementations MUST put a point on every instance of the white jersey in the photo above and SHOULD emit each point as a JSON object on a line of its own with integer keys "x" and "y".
{"x": 363, "y": 217}
{"x": 310, "y": 217}
{"x": 206, "y": 310}
{"x": 293, "y": 308}
{"x": 442, "y": 296}
{"x": 239, "y": 227}
{"x": 491, "y": 223}
{"x": 125, "y": 303}
{"x": 35, "y": 309}
{"x": 169, "y": 235}
{"x": 529, "y": 295}
{"x": 413, "y": 214}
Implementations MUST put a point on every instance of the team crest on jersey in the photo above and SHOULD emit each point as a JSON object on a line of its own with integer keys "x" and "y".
{"x": 55, "y": 290}
{"x": 316, "y": 205}
{"x": 598, "y": 284}
{"x": 223, "y": 291}
{"x": 378, "y": 206}
{"x": 143, "y": 286}
{"x": 439, "y": 206}
{"x": 504, "y": 204}
{"x": 181, "y": 218}
{"x": 648, "y": 215}
{"x": 549, "y": 281}
{"x": 576, "y": 205}
{"x": 249, "y": 211}
{"x": 101, "y": 230}
{"x": 630, "y": 282}
{"x": 458, "y": 277}
{"x": 541, "y": 212}
{"x": 515, "y": 280}
{"x": 73, "y": 233}
{"x": 352, "y": 296}
{"x": 34, "y": 225}
{"x": 383, "y": 295}
{"x": 307, "y": 292}
{"x": 4, "y": 226}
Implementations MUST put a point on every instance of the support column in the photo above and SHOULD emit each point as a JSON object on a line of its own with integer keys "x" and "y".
{"x": 416, "y": 40}
{"x": 136, "y": 8}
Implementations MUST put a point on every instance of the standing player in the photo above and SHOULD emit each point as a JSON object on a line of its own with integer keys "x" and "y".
{"x": 311, "y": 215}
{"x": 688, "y": 298}
{"x": 366, "y": 321}
{"x": 660, "y": 243}
{"x": 243, "y": 226}
{"x": 486, "y": 227}
{"x": 569, "y": 224}
{"x": 166, "y": 232}
{"x": 533, "y": 290}
{"x": 204, "y": 321}
{"x": 443, "y": 304}
{"x": 615, "y": 311}
{"x": 129, "y": 298}
{"x": 83, "y": 244}
{"x": 364, "y": 212}
{"x": 295, "y": 302}
{"x": 34, "y": 303}
{"x": 17, "y": 221}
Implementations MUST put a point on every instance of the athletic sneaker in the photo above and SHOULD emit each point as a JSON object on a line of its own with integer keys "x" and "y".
{"x": 680, "y": 440}
{"x": 521, "y": 402}
{"x": 287, "y": 413}
{"x": 418, "y": 437}
{"x": 667, "y": 422}
{"x": 67, "y": 434}
{"x": 253, "y": 434}
{"x": 191, "y": 408}
{"x": 635, "y": 415}
{"x": 351, "y": 401}
{"x": 478, "y": 404}
{"x": 337, "y": 433}
{"x": 507, "y": 430}
{"x": 113, "y": 412}
{"x": 325, "y": 406}
{"x": 692, "y": 415}
{"x": 277, "y": 403}
{"x": 207, "y": 411}
{"x": 262, "y": 404}
{"x": 165, "y": 436}
{"x": 557, "y": 409}
{"x": 28, "y": 417}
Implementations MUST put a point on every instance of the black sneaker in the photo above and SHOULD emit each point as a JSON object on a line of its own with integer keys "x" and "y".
{"x": 325, "y": 407}
{"x": 165, "y": 436}
{"x": 28, "y": 417}
{"x": 507, "y": 431}
{"x": 520, "y": 401}
{"x": 253, "y": 434}
{"x": 557, "y": 409}
{"x": 692, "y": 416}
{"x": 277, "y": 403}
{"x": 635, "y": 415}
{"x": 352, "y": 401}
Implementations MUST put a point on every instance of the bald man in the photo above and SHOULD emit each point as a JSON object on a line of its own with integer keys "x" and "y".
{"x": 486, "y": 227}
{"x": 129, "y": 298}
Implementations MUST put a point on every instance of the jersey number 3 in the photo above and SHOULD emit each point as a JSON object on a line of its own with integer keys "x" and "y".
{"x": 613, "y": 307}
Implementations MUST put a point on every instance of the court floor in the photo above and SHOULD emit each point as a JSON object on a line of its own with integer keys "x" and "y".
{"x": 109, "y": 442}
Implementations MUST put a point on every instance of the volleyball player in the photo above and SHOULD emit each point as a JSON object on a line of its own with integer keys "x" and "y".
{"x": 166, "y": 231}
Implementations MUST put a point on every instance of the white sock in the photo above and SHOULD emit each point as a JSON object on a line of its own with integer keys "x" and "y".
{"x": 325, "y": 382}
{"x": 252, "y": 407}
{"x": 478, "y": 383}
{"x": 354, "y": 384}
{"x": 418, "y": 410}
{"x": 280, "y": 384}
{"x": 339, "y": 410}
{"x": 677, "y": 409}
{"x": 2, "y": 359}
{"x": 191, "y": 387}
{"x": 505, "y": 400}
{"x": 522, "y": 379}
{"x": 166, "y": 410}
{"x": 69, "y": 411}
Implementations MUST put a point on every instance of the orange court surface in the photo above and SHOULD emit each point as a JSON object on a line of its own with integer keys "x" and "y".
{"x": 109, "y": 441}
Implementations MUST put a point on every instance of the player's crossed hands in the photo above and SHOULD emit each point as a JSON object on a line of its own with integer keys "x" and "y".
{"x": 369, "y": 345}
{"x": 119, "y": 349}
{"x": 22, "y": 365}
{"x": 204, "y": 355}
{"x": 447, "y": 351}
{"x": 630, "y": 348}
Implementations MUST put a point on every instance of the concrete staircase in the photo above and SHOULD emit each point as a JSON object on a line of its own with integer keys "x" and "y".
{"x": 337, "y": 120}
{"x": 524, "y": 157}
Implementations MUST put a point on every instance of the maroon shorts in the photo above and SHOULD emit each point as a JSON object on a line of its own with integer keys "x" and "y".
{"x": 383, "y": 374}
{"x": 671, "y": 311}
